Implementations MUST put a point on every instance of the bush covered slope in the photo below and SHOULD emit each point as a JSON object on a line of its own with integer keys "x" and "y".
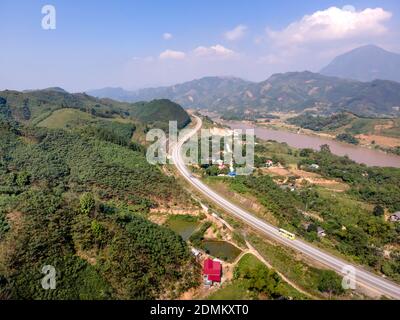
{"x": 160, "y": 111}
{"x": 78, "y": 199}
{"x": 35, "y": 106}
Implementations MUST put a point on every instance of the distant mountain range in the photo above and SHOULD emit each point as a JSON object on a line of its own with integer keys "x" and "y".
{"x": 293, "y": 91}
{"x": 366, "y": 63}
{"x": 206, "y": 91}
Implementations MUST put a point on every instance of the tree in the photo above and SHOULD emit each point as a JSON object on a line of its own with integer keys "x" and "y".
{"x": 330, "y": 282}
{"x": 23, "y": 179}
{"x": 87, "y": 203}
{"x": 379, "y": 211}
{"x": 325, "y": 148}
{"x": 263, "y": 280}
{"x": 212, "y": 171}
{"x": 306, "y": 152}
{"x": 345, "y": 137}
{"x": 312, "y": 227}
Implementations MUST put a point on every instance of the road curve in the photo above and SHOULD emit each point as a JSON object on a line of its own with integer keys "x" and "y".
{"x": 363, "y": 278}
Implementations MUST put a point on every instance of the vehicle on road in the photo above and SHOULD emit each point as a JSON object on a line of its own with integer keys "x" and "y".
{"x": 287, "y": 234}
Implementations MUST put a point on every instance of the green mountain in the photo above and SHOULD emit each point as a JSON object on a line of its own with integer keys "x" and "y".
{"x": 293, "y": 91}
{"x": 35, "y": 106}
{"x": 298, "y": 91}
{"x": 160, "y": 111}
{"x": 366, "y": 63}
{"x": 76, "y": 193}
{"x": 202, "y": 92}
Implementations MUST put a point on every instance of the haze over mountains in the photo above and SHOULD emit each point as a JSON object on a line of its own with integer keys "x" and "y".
{"x": 205, "y": 91}
{"x": 292, "y": 91}
{"x": 366, "y": 63}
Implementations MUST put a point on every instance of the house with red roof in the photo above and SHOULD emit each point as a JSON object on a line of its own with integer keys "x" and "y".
{"x": 212, "y": 271}
{"x": 269, "y": 163}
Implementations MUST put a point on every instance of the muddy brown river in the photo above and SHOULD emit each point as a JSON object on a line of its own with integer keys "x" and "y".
{"x": 358, "y": 154}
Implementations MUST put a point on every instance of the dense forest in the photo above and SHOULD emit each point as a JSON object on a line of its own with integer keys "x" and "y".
{"x": 77, "y": 200}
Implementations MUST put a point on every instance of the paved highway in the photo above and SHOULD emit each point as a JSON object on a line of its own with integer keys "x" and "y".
{"x": 363, "y": 278}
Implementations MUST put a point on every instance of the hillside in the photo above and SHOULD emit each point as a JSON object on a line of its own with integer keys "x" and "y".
{"x": 76, "y": 193}
{"x": 365, "y": 63}
{"x": 35, "y": 106}
{"x": 293, "y": 91}
{"x": 160, "y": 111}
{"x": 202, "y": 92}
{"x": 299, "y": 91}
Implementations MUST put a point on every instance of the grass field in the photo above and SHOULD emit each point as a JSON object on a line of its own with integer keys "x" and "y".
{"x": 65, "y": 118}
{"x": 296, "y": 271}
{"x": 69, "y": 118}
{"x": 232, "y": 291}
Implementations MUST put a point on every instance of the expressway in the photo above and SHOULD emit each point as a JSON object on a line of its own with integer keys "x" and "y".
{"x": 372, "y": 282}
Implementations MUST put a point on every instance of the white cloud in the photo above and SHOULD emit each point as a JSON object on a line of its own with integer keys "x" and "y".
{"x": 167, "y": 36}
{"x": 332, "y": 24}
{"x": 236, "y": 33}
{"x": 214, "y": 51}
{"x": 217, "y": 51}
{"x": 171, "y": 54}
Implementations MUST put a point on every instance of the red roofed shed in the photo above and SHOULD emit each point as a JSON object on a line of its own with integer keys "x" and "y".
{"x": 212, "y": 270}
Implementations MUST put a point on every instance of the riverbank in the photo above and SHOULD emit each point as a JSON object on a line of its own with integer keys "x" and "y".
{"x": 373, "y": 140}
{"x": 302, "y": 139}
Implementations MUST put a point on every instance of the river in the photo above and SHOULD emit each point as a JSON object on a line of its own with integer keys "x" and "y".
{"x": 359, "y": 154}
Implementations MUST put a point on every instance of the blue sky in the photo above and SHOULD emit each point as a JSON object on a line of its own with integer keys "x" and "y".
{"x": 136, "y": 44}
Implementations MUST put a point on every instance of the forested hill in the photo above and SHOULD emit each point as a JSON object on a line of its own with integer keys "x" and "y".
{"x": 76, "y": 193}
{"x": 35, "y": 106}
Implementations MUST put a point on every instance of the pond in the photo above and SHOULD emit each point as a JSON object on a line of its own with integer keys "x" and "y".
{"x": 182, "y": 226}
{"x": 221, "y": 249}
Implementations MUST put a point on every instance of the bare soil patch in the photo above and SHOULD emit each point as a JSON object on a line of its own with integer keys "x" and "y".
{"x": 380, "y": 140}
{"x": 310, "y": 177}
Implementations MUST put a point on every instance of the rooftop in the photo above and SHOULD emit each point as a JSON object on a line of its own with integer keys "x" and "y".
{"x": 212, "y": 269}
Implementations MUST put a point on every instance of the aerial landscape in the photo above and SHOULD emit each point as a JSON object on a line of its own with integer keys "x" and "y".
{"x": 156, "y": 157}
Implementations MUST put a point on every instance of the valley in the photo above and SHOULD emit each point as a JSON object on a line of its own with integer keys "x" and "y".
{"x": 379, "y": 153}
{"x": 89, "y": 144}
{"x": 200, "y": 159}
